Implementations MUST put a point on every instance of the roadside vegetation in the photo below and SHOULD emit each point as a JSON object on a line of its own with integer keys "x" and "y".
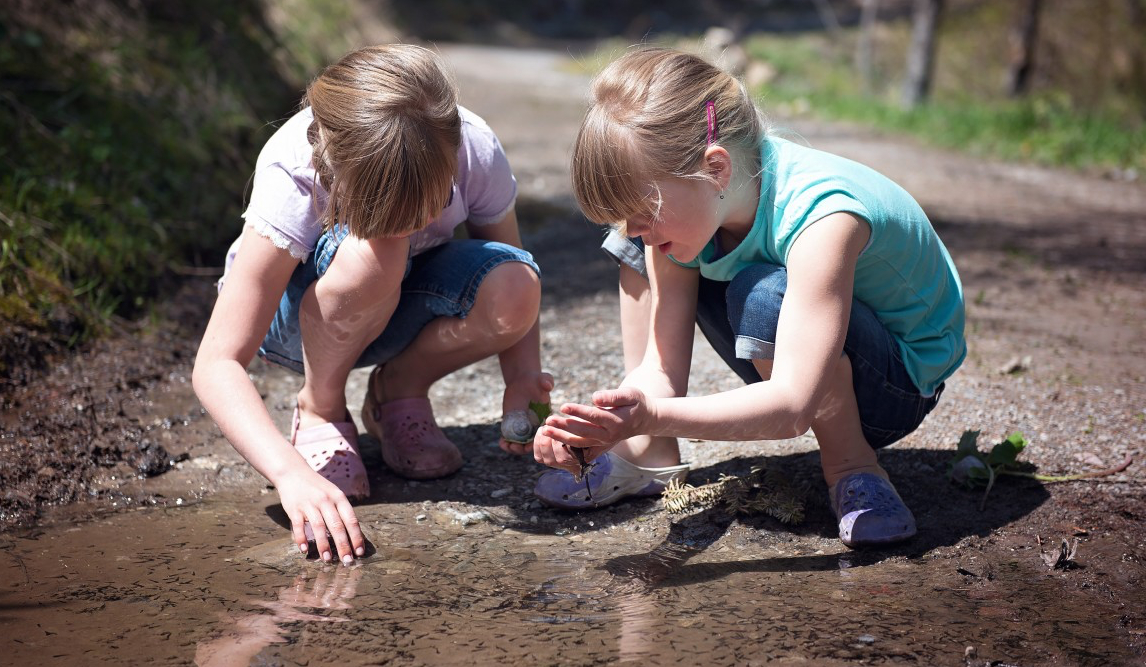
{"x": 130, "y": 131}
{"x": 1083, "y": 109}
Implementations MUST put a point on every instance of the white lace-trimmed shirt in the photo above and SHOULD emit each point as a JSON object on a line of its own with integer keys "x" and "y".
{"x": 287, "y": 197}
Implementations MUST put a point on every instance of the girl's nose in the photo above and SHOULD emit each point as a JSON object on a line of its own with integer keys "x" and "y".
{"x": 637, "y": 225}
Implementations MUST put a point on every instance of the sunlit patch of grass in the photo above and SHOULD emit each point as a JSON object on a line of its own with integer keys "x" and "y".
{"x": 1057, "y": 126}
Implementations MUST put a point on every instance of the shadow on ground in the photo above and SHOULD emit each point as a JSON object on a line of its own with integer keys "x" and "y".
{"x": 946, "y": 514}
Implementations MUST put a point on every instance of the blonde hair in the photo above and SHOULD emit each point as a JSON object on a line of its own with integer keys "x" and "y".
{"x": 648, "y": 119}
{"x": 385, "y": 136}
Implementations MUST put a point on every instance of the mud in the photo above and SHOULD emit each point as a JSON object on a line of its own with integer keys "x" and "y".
{"x": 190, "y": 566}
{"x": 194, "y": 583}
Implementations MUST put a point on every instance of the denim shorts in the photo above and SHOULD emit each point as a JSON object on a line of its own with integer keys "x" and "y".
{"x": 440, "y": 282}
{"x": 739, "y": 320}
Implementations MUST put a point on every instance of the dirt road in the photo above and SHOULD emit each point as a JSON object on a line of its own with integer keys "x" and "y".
{"x": 1054, "y": 270}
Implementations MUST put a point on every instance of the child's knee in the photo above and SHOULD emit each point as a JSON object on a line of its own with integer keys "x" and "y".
{"x": 511, "y": 295}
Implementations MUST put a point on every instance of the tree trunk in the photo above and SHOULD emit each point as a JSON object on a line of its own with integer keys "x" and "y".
{"x": 921, "y": 51}
{"x": 1137, "y": 12}
{"x": 831, "y": 23}
{"x": 1023, "y": 38}
{"x": 865, "y": 46}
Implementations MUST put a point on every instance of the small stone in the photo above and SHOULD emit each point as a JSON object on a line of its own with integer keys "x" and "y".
{"x": 866, "y": 639}
{"x": 1015, "y": 365}
{"x": 500, "y": 493}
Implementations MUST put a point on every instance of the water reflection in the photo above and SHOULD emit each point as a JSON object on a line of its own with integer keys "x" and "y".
{"x": 695, "y": 592}
{"x": 243, "y": 636}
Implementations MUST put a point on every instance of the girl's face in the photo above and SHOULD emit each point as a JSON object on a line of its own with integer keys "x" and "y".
{"x": 685, "y": 222}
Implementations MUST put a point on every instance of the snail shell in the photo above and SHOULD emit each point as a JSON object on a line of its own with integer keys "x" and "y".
{"x": 519, "y": 426}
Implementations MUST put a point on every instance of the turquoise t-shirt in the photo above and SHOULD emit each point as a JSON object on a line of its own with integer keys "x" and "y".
{"x": 904, "y": 274}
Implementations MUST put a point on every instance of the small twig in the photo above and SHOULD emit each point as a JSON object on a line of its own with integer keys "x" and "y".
{"x": 990, "y": 483}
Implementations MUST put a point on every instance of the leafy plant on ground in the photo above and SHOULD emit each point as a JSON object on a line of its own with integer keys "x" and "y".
{"x": 972, "y": 468}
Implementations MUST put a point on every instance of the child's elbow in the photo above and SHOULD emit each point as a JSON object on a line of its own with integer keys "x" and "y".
{"x": 201, "y": 375}
{"x": 801, "y": 423}
{"x": 198, "y": 379}
{"x": 799, "y": 417}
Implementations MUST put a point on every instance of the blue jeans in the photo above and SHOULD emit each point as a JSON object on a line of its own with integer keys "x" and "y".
{"x": 440, "y": 282}
{"x": 739, "y": 320}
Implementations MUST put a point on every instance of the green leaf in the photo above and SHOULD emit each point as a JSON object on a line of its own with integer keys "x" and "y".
{"x": 1007, "y": 452}
{"x": 542, "y": 410}
{"x": 1018, "y": 440}
{"x": 968, "y": 445}
{"x": 968, "y": 467}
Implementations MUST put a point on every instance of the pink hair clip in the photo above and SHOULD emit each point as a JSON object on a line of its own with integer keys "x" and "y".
{"x": 710, "y": 114}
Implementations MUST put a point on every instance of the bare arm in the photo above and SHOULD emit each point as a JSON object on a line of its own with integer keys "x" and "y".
{"x": 524, "y": 357}
{"x": 239, "y": 321}
{"x": 812, "y": 327}
{"x": 662, "y": 373}
{"x": 809, "y": 341}
{"x": 664, "y": 370}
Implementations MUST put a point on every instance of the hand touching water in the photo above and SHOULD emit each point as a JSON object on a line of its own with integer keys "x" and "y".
{"x": 308, "y": 497}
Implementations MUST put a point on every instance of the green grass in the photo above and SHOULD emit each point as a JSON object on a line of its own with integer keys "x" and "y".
{"x": 1052, "y": 126}
{"x": 129, "y": 141}
{"x": 1042, "y": 129}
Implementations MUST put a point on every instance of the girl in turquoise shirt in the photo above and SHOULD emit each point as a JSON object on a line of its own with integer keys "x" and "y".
{"x": 818, "y": 280}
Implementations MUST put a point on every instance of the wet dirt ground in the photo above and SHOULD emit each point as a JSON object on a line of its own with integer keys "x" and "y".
{"x": 191, "y": 566}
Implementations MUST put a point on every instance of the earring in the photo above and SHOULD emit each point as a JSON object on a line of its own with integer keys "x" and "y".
{"x": 722, "y": 194}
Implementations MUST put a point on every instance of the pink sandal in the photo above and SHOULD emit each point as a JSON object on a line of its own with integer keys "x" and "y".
{"x": 412, "y": 444}
{"x": 332, "y": 451}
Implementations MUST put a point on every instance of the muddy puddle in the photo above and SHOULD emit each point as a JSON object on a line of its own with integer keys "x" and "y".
{"x": 217, "y": 583}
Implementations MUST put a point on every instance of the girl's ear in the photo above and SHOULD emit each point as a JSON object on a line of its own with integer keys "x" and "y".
{"x": 718, "y": 165}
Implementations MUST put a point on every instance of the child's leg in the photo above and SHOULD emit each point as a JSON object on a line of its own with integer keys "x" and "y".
{"x": 636, "y": 309}
{"x": 338, "y": 317}
{"x": 461, "y": 302}
{"x": 505, "y": 309}
{"x": 837, "y": 427}
{"x": 843, "y": 448}
{"x": 871, "y": 402}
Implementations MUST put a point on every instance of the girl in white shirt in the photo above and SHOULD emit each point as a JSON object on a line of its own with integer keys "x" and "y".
{"x": 348, "y": 259}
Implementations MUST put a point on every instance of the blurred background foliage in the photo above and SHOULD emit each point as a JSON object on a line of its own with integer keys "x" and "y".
{"x": 130, "y": 127}
{"x": 1083, "y": 106}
